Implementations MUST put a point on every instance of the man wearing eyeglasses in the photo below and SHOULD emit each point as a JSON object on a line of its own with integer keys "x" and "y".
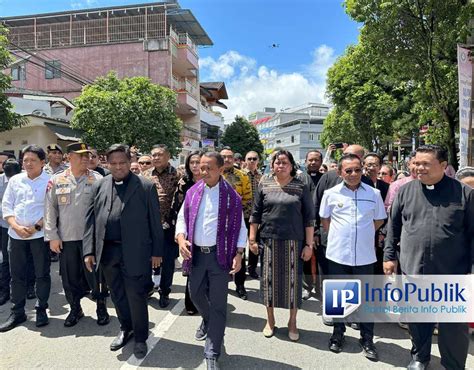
{"x": 351, "y": 212}
{"x": 251, "y": 161}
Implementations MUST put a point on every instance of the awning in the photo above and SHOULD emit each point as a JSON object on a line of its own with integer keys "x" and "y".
{"x": 63, "y": 132}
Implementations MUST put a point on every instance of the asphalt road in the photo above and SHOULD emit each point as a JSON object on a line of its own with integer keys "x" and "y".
{"x": 172, "y": 343}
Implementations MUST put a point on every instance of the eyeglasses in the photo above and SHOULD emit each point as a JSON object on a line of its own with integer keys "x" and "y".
{"x": 93, "y": 156}
{"x": 142, "y": 163}
{"x": 252, "y": 159}
{"x": 349, "y": 172}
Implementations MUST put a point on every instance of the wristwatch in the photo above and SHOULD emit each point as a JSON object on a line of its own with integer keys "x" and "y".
{"x": 38, "y": 227}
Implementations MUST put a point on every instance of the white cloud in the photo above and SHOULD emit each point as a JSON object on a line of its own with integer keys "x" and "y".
{"x": 82, "y": 4}
{"x": 251, "y": 87}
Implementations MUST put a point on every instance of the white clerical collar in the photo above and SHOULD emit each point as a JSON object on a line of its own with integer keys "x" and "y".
{"x": 430, "y": 187}
{"x": 118, "y": 182}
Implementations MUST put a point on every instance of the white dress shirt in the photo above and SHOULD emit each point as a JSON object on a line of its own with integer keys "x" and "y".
{"x": 205, "y": 232}
{"x": 351, "y": 238}
{"x": 24, "y": 199}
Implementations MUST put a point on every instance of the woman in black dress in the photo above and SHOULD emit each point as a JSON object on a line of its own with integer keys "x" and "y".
{"x": 283, "y": 213}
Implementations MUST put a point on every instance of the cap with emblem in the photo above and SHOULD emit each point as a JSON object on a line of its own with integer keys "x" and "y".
{"x": 78, "y": 148}
{"x": 51, "y": 147}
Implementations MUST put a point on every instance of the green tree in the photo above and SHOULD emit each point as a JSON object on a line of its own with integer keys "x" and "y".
{"x": 367, "y": 100}
{"x": 416, "y": 41}
{"x": 8, "y": 119}
{"x": 132, "y": 111}
{"x": 242, "y": 137}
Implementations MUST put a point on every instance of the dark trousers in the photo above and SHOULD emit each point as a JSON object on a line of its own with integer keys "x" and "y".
{"x": 188, "y": 302}
{"x": 208, "y": 286}
{"x": 128, "y": 293}
{"x": 322, "y": 263}
{"x": 366, "y": 328}
{"x": 239, "y": 277}
{"x": 252, "y": 262}
{"x": 18, "y": 269}
{"x": 453, "y": 343}
{"x": 5, "y": 276}
{"x": 75, "y": 277}
{"x": 166, "y": 269}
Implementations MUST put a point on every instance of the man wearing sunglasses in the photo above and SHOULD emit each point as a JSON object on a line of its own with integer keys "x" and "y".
{"x": 145, "y": 162}
{"x": 351, "y": 212}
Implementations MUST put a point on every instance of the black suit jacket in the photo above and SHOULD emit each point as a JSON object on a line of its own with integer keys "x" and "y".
{"x": 383, "y": 187}
{"x": 142, "y": 233}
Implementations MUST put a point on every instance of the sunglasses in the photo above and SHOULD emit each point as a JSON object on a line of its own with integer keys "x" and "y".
{"x": 349, "y": 172}
{"x": 252, "y": 159}
{"x": 147, "y": 163}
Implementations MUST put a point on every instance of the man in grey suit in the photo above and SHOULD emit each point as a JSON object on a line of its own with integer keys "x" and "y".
{"x": 124, "y": 238}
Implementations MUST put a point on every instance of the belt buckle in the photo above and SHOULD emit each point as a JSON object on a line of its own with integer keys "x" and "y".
{"x": 205, "y": 250}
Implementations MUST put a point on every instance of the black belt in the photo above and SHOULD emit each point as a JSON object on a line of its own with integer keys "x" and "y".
{"x": 112, "y": 242}
{"x": 206, "y": 250}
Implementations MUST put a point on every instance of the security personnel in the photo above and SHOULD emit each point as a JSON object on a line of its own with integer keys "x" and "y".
{"x": 67, "y": 197}
{"x": 55, "y": 160}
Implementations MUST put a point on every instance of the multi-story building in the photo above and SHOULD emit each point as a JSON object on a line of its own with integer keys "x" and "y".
{"x": 60, "y": 52}
{"x": 212, "y": 123}
{"x": 295, "y": 129}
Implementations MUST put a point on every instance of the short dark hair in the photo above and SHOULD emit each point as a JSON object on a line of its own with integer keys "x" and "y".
{"x": 238, "y": 156}
{"x": 36, "y": 149}
{"x": 348, "y": 157}
{"x": 314, "y": 151}
{"x": 121, "y": 148}
{"x": 439, "y": 152}
{"x": 226, "y": 148}
{"x": 216, "y": 155}
{"x": 373, "y": 154}
{"x": 187, "y": 166}
{"x": 8, "y": 154}
{"x": 464, "y": 172}
{"x": 161, "y": 146}
{"x": 288, "y": 154}
{"x": 11, "y": 167}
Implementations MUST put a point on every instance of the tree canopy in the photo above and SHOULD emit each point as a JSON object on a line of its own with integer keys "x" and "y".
{"x": 403, "y": 72}
{"x": 133, "y": 111}
{"x": 8, "y": 118}
{"x": 242, "y": 137}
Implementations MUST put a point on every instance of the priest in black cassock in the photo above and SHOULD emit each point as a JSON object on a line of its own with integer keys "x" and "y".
{"x": 433, "y": 220}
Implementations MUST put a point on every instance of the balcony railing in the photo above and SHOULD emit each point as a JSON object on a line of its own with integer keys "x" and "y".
{"x": 184, "y": 39}
{"x": 184, "y": 84}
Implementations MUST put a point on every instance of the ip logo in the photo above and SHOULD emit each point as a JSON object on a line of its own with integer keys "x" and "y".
{"x": 341, "y": 297}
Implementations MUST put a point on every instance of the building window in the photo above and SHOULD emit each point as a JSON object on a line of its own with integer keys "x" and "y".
{"x": 292, "y": 139}
{"x": 319, "y": 137}
{"x": 18, "y": 72}
{"x": 52, "y": 69}
{"x": 311, "y": 137}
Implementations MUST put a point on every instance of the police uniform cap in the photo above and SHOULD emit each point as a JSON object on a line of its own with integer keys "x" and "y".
{"x": 78, "y": 148}
{"x": 54, "y": 147}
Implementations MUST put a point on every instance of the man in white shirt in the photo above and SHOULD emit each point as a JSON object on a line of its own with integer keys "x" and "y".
{"x": 351, "y": 212}
{"x": 211, "y": 240}
{"x": 23, "y": 209}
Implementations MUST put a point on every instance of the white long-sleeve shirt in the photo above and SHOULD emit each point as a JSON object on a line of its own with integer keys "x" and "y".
{"x": 205, "y": 233}
{"x": 24, "y": 199}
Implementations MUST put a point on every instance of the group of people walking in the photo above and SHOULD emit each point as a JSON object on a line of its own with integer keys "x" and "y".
{"x": 122, "y": 233}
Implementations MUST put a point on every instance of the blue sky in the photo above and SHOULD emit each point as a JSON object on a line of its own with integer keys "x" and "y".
{"x": 309, "y": 35}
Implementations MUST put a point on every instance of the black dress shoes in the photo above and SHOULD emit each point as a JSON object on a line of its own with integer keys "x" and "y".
{"x": 306, "y": 294}
{"x": 73, "y": 318}
{"x": 369, "y": 349}
{"x": 41, "y": 318}
{"x": 241, "y": 292}
{"x": 4, "y": 298}
{"x": 336, "y": 342}
{"x": 12, "y": 321}
{"x": 164, "y": 301}
{"x": 140, "y": 349}
{"x": 253, "y": 274}
{"x": 417, "y": 365}
{"x": 121, "y": 340}
{"x": 103, "y": 317}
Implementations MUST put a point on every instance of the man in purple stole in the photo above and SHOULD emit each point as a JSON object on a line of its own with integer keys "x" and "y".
{"x": 212, "y": 236}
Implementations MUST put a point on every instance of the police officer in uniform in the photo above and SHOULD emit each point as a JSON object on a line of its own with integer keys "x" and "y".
{"x": 67, "y": 197}
{"x": 55, "y": 160}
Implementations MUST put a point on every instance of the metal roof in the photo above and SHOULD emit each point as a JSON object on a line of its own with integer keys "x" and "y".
{"x": 182, "y": 20}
